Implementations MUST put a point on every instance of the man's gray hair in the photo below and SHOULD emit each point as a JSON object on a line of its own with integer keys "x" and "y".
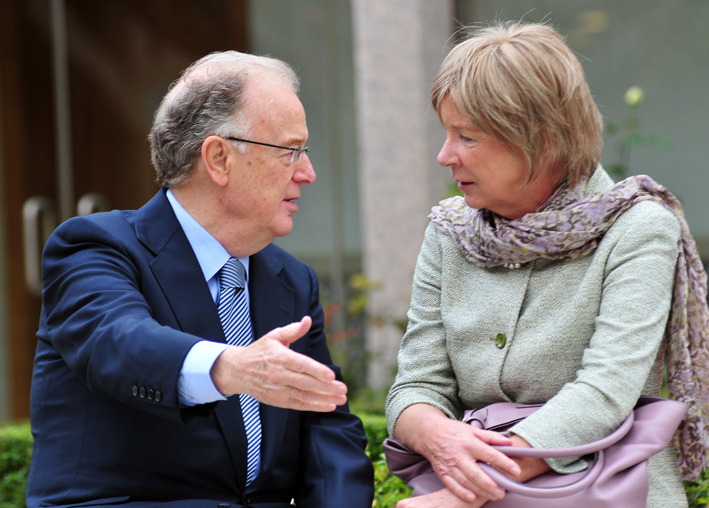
{"x": 207, "y": 100}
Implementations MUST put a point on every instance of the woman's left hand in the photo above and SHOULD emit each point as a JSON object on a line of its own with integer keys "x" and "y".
{"x": 454, "y": 448}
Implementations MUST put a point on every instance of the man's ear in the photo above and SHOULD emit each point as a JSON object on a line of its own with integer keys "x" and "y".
{"x": 216, "y": 155}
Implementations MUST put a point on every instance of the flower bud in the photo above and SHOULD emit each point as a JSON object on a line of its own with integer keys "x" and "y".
{"x": 634, "y": 96}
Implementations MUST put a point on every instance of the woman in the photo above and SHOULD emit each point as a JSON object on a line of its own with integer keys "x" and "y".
{"x": 545, "y": 282}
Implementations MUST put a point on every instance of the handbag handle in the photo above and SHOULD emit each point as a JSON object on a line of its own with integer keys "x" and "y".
{"x": 569, "y": 489}
{"x": 548, "y": 492}
{"x": 572, "y": 451}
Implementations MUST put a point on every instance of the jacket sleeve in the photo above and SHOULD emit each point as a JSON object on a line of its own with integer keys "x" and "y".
{"x": 335, "y": 471}
{"x": 96, "y": 317}
{"x": 425, "y": 372}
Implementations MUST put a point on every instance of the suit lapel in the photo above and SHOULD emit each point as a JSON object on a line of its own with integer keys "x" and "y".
{"x": 177, "y": 271}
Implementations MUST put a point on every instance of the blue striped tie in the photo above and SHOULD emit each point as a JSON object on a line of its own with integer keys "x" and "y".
{"x": 234, "y": 314}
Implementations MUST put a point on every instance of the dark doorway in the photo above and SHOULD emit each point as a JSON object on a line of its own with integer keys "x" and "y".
{"x": 121, "y": 57}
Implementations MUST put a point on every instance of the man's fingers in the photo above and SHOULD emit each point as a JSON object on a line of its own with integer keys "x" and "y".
{"x": 291, "y": 397}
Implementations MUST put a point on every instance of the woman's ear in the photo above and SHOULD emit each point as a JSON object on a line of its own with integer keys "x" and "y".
{"x": 215, "y": 156}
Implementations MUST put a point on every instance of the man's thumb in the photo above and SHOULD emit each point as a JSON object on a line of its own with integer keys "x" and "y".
{"x": 288, "y": 334}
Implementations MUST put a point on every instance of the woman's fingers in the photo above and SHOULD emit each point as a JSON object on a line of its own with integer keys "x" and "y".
{"x": 456, "y": 461}
{"x": 496, "y": 458}
{"x": 470, "y": 483}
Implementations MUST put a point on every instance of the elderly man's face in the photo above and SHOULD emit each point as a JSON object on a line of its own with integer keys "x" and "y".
{"x": 267, "y": 184}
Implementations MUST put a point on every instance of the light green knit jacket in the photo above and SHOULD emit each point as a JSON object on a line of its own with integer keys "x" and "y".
{"x": 582, "y": 336}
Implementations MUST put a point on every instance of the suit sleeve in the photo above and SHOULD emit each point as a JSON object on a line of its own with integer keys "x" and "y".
{"x": 97, "y": 319}
{"x": 335, "y": 470}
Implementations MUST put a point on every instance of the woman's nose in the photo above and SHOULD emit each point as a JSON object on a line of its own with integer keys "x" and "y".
{"x": 446, "y": 157}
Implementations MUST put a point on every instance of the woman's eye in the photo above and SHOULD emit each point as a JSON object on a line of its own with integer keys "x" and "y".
{"x": 466, "y": 139}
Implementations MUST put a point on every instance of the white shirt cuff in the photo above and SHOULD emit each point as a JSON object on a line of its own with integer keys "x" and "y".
{"x": 195, "y": 384}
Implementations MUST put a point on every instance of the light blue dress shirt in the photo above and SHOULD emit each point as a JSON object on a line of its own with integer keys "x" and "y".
{"x": 195, "y": 384}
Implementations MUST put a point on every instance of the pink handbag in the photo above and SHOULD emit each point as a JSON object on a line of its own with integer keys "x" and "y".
{"x": 616, "y": 475}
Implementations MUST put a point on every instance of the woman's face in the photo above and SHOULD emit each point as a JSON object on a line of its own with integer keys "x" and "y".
{"x": 489, "y": 174}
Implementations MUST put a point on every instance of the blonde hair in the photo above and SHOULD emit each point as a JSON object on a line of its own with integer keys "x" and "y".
{"x": 522, "y": 85}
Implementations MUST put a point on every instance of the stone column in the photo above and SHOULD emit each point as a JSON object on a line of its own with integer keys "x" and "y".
{"x": 398, "y": 47}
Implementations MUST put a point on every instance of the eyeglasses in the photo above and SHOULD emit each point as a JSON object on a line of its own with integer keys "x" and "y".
{"x": 297, "y": 150}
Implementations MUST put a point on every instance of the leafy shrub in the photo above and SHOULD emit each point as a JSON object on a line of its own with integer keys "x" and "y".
{"x": 698, "y": 491}
{"x": 388, "y": 489}
{"x": 15, "y": 457}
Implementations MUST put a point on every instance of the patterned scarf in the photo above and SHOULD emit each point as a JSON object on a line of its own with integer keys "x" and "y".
{"x": 570, "y": 226}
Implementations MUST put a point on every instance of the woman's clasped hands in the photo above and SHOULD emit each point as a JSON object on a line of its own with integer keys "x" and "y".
{"x": 454, "y": 450}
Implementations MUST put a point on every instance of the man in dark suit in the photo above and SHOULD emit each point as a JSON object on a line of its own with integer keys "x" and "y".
{"x": 144, "y": 392}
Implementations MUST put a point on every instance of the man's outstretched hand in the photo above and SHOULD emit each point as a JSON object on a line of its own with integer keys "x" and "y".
{"x": 273, "y": 374}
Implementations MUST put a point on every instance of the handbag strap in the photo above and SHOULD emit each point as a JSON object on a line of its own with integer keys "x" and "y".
{"x": 572, "y": 451}
{"x": 596, "y": 447}
{"x": 547, "y": 492}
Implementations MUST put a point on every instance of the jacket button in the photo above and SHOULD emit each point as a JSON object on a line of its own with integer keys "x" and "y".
{"x": 158, "y": 396}
{"x": 500, "y": 340}
{"x": 150, "y": 394}
{"x": 142, "y": 392}
{"x": 135, "y": 391}
{"x": 247, "y": 500}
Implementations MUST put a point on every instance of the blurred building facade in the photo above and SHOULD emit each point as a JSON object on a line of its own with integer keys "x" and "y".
{"x": 80, "y": 79}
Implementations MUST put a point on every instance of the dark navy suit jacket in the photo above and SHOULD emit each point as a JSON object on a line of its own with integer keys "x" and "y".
{"x": 124, "y": 301}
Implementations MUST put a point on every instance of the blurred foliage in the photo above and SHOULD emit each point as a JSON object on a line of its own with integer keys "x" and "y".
{"x": 345, "y": 325}
{"x": 698, "y": 491}
{"x": 15, "y": 457}
{"x": 388, "y": 489}
{"x": 368, "y": 400}
{"x": 345, "y": 328}
{"x": 628, "y": 135}
{"x": 453, "y": 190}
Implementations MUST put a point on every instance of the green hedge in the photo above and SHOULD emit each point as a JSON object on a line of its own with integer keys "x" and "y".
{"x": 16, "y": 454}
{"x": 388, "y": 489}
{"x": 15, "y": 457}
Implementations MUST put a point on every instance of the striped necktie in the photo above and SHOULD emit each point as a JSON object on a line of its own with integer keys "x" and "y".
{"x": 234, "y": 314}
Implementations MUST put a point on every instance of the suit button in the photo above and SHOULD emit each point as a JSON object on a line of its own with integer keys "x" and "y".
{"x": 135, "y": 391}
{"x": 500, "y": 340}
{"x": 150, "y": 394}
{"x": 142, "y": 392}
{"x": 158, "y": 396}
{"x": 247, "y": 500}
